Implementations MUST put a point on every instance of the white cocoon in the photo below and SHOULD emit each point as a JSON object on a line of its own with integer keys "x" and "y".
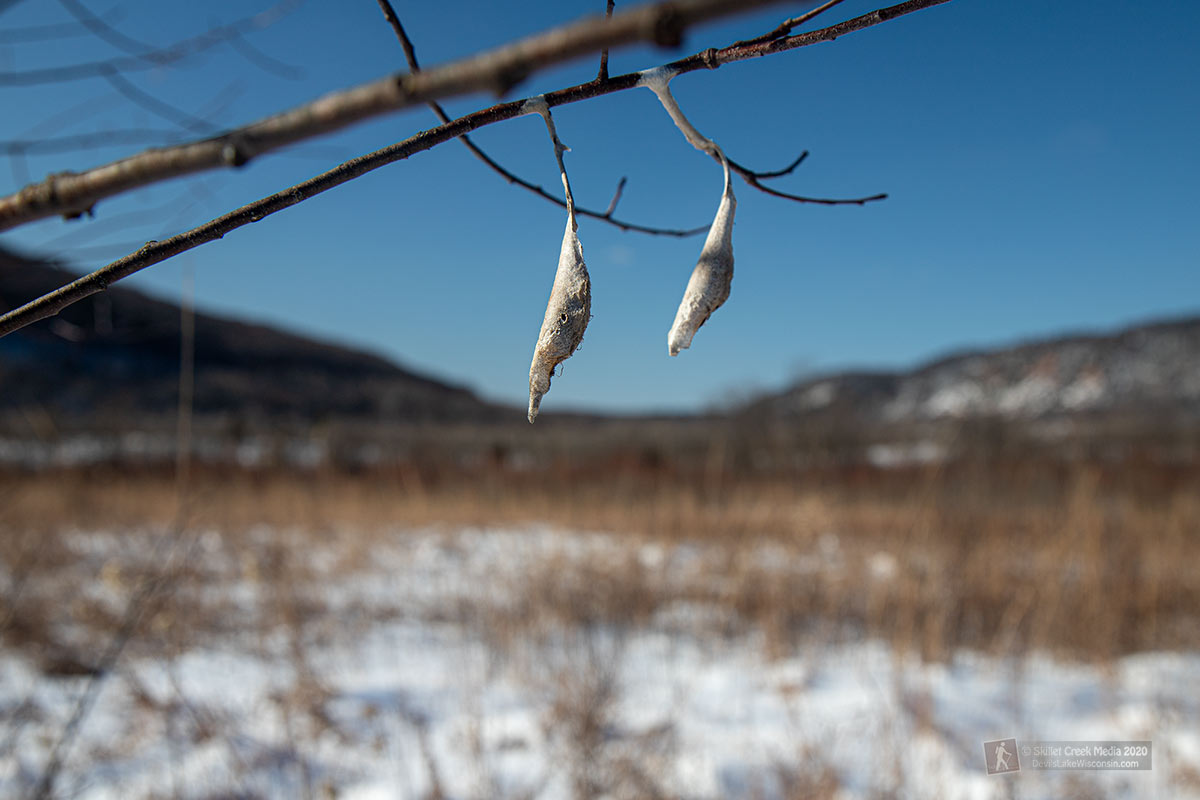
{"x": 567, "y": 315}
{"x": 709, "y": 285}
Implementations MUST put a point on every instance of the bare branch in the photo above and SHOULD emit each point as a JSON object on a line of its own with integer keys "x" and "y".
{"x": 497, "y": 71}
{"x": 612, "y": 205}
{"x": 157, "y": 215}
{"x": 101, "y": 29}
{"x": 739, "y": 52}
{"x": 583, "y": 212}
{"x": 5, "y": 5}
{"x": 752, "y": 178}
{"x": 73, "y": 114}
{"x": 602, "y": 75}
{"x": 821, "y": 201}
{"x": 159, "y": 108}
{"x": 779, "y": 173}
{"x": 148, "y": 60}
{"x": 155, "y": 252}
{"x": 787, "y": 26}
{"x": 41, "y": 33}
{"x": 265, "y": 62}
{"x": 88, "y": 141}
{"x": 98, "y": 27}
{"x": 410, "y": 55}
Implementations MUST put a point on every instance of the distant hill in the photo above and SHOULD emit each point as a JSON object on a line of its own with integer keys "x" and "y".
{"x": 99, "y": 382}
{"x": 112, "y": 361}
{"x": 1149, "y": 371}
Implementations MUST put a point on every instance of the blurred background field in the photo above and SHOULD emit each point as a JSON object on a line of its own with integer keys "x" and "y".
{"x": 360, "y": 582}
{"x": 332, "y": 559}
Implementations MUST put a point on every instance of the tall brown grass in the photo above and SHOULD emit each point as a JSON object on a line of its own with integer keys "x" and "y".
{"x": 1091, "y": 560}
{"x": 1088, "y": 560}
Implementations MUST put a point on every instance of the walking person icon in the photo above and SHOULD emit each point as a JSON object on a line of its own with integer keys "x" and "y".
{"x": 1002, "y": 755}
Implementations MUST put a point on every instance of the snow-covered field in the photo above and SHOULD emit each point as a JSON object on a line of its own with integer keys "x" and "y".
{"x": 435, "y": 663}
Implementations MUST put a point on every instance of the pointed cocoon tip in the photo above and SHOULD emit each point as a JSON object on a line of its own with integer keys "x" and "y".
{"x": 709, "y": 285}
{"x": 567, "y": 315}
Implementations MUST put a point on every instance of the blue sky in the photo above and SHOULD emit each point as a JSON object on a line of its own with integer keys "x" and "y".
{"x": 1041, "y": 163}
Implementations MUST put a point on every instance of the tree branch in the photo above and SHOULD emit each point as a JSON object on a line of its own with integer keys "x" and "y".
{"x": 602, "y": 75}
{"x": 612, "y": 204}
{"x": 497, "y": 71}
{"x": 752, "y": 179}
{"x": 779, "y": 173}
{"x": 410, "y": 55}
{"x": 787, "y": 26}
{"x": 148, "y": 59}
{"x": 155, "y": 252}
{"x": 260, "y": 59}
{"x": 159, "y": 108}
{"x": 101, "y": 29}
{"x": 88, "y": 141}
{"x": 53, "y": 31}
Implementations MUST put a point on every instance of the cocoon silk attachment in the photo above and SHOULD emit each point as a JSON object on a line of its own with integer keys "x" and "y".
{"x": 570, "y": 306}
{"x": 712, "y": 277}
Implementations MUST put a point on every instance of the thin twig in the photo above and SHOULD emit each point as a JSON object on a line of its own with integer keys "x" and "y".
{"x": 752, "y": 178}
{"x": 155, "y": 252}
{"x": 410, "y": 55}
{"x": 602, "y": 75}
{"x": 559, "y": 149}
{"x": 102, "y": 30}
{"x": 779, "y": 173}
{"x": 187, "y": 391}
{"x": 612, "y": 206}
{"x": 496, "y": 71}
{"x": 88, "y": 141}
{"x": 624, "y": 225}
{"x": 262, "y": 60}
{"x": 171, "y": 552}
{"x": 787, "y": 26}
{"x": 148, "y": 60}
{"x": 820, "y": 201}
{"x": 57, "y": 30}
{"x": 159, "y": 108}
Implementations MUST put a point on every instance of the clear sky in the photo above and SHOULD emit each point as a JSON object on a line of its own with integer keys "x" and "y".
{"x": 1042, "y": 163}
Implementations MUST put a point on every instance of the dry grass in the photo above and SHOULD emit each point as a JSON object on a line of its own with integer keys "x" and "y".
{"x": 1091, "y": 561}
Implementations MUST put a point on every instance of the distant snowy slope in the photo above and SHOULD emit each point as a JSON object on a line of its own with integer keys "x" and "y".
{"x": 1151, "y": 369}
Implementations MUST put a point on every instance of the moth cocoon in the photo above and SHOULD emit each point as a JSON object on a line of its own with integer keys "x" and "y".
{"x": 567, "y": 315}
{"x": 709, "y": 285}
{"x": 570, "y": 304}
